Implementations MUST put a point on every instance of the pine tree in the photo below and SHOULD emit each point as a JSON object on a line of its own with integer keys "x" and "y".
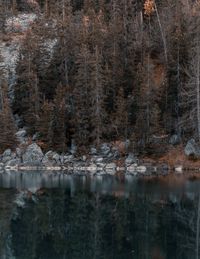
{"x": 82, "y": 98}
{"x": 98, "y": 112}
{"x": 45, "y": 125}
{"x": 120, "y": 121}
{"x": 26, "y": 92}
{"x": 7, "y": 125}
{"x": 60, "y": 120}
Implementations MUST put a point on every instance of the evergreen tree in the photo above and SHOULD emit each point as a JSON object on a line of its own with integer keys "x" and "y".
{"x": 7, "y": 125}
{"x": 82, "y": 98}
{"x": 98, "y": 112}
{"x": 120, "y": 120}
{"x": 60, "y": 120}
{"x": 45, "y": 124}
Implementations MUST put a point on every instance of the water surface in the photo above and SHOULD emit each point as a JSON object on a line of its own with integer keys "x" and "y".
{"x": 56, "y": 216}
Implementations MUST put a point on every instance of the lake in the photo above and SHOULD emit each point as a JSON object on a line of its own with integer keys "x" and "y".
{"x": 57, "y": 216}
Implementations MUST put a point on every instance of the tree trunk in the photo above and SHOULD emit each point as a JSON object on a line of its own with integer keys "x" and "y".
{"x": 198, "y": 96}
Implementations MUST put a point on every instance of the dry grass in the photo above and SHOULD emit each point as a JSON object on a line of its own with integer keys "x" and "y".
{"x": 174, "y": 157}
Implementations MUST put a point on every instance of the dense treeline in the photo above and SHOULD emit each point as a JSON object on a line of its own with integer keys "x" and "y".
{"x": 120, "y": 70}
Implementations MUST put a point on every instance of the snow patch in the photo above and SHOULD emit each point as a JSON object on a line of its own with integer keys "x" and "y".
{"x": 20, "y": 23}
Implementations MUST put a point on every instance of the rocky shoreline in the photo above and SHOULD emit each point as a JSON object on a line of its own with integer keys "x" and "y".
{"x": 104, "y": 161}
{"x": 107, "y": 159}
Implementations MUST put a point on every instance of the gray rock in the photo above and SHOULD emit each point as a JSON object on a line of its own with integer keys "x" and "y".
{"x": 84, "y": 158}
{"x": 21, "y": 135}
{"x": 7, "y": 152}
{"x": 18, "y": 152}
{"x": 92, "y": 168}
{"x": 62, "y": 159}
{"x": 99, "y": 160}
{"x": 68, "y": 158}
{"x": 192, "y": 148}
{"x": 35, "y": 136}
{"x": 18, "y": 120}
{"x": 33, "y": 153}
{"x": 93, "y": 151}
{"x": 13, "y": 162}
{"x": 56, "y": 157}
{"x": 101, "y": 166}
{"x": 111, "y": 166}
{"x": 35, "y": 164}
{"x": 73, "y": 148}
{"x": 131, "y": 171}
{"x": 94, "y": 158}
{"x": 130, "y": 159}
{"x": 110, "y": 155}
{"x": 175, "y": 139}
{"x": 6, "y": 159}
{"x": 105, "y": 149}
{"x": 13, "y": 155}
{"x": 51, "y": 158}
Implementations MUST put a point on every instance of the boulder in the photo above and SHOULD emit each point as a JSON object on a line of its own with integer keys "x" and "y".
{"x": 101, "y": 166}
{"x": 91, "y": 168}
{"x": 130, "y": 159}
{"x": 131, "y": 169}
{"x": 5, "y": 159}
{"x": 7, "y": 152}
{"x": 111, "y": 166}
{"x": 51, "y": 158}
{"x": 141, "y": 169}
{"x": 105, "y": 149}
{"x": 18, "y": 152}
{"x": 56, "y": 158}
{"x": 192, "y": 148}
{"x": 13, "y": 162}
{"x": 99, "y": 160}
{"x": 93, "y": 151}
{"x": 84, "y": 158}
{"x": 21, "y": 135}
{"x": 73, "y": 148}
{"x": 33, "y": 153}
{"x": 13, "y": 155}
{"x": 35, "y": 136}
{"x": 175, "y": 139}
{"x": 68, "y": 159}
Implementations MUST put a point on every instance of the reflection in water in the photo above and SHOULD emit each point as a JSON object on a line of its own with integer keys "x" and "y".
{"x": 98, "y": 217}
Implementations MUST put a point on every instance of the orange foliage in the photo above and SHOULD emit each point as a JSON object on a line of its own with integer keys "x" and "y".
{"x": 120, "y": 146}
{"x": 149, "y": 7}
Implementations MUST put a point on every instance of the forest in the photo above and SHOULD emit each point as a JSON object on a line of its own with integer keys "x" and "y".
{"x": 120, "y": 70}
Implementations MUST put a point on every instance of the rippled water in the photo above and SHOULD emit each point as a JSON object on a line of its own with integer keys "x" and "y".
{"x": 44, "y": 216}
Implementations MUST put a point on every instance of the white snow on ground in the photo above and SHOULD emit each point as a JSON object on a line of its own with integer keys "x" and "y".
{"x": 16, "y": 28}
{"x": 47, "y": 49}
{"x": 20, "y": 23}
{"x": 8, "y": 61}
{"x": 10, "y": 50}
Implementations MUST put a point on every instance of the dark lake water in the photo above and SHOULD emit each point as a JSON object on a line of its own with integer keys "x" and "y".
{"x": 55, "y": 216}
